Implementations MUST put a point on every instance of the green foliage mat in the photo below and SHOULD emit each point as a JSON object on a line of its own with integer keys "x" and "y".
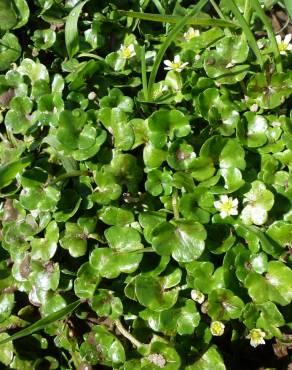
{"x": 145, "y": 185}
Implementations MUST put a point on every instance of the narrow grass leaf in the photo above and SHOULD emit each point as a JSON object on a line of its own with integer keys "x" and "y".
{"x": 261, "y": 14}
{"x": 144, "y": 74}
{"x": 205, "y": 22}
{"x": 170, "y": 37}
{"x": 246, "y": 29}
{"x": 42, "y": 323}
{"x": 288, "y": 5}
{"x": 71, "y": 29}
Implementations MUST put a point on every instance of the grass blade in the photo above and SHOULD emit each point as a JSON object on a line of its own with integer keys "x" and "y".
{"x": 71, "y": 29}
{"x": 144, "y": 74}
{"x": 42, "y": 323}
{"x": 205, "y": 22}
{"x": 261, "y": 14}
{"x": 288, "y": 6}
{"x": 170, "y": 37}
{"x": 246, "y": 29}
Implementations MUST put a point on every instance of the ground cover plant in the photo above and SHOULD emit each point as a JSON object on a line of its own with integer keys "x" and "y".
{"x": 146, "y": 149}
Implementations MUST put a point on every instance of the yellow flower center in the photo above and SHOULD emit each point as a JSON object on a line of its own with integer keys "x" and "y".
{"x": 217, "y": 328}
{"x": 283, "y": 46}
{"x": 256, "y": 336}
{"x": 176, "y": 65}
{"x": 127, "y": 53}
{"x": 226, "y": 206}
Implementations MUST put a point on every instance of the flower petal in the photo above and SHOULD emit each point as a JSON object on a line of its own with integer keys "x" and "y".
{"x": 176, "y": 59}
{"x": 278, "y": 39}
{"x": 288, "y": 38}
{"x": 224, "y": 198}
{"x": 217, "y": 204}
{"x": 224, "y": 214}
{"x": 167, "y": 63}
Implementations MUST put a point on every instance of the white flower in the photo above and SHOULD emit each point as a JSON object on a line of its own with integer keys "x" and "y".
{"x": 217, "y": 328}
{"x": 191, "y": 33}
{"x": 197, "y": 57}
{"x": 256, "y": 337}
{"x": 285, "y": 44}
{"x": 127, "y": 52}
{"x": 176, "y": 65}
{"x": 227, "y": 206}
{"x": 197, "y": 296}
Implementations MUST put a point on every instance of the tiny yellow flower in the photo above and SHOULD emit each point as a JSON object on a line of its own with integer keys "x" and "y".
{"x": 191, "y": 33}
{"x": 227, "y": 206}
{"x": 256, "y": 337}
{"x": 285, "y": 44}
{"x": 127, "y": 52}
{"x": 217, "y": 328}
{"x": 197, "y": 296}
{"x": 176, "y": 65}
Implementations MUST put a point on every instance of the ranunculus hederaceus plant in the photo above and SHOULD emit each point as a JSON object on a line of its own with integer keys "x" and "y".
{"x": 145, "y": 185}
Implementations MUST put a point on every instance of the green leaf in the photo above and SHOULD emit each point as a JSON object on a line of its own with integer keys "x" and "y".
{"x": 10, "y": 170}
{"x": 104, "y": 303}
{"x": 110, "y": 353}
{"x": 8, "y": 18}
{"x": 123, "y": 239}
{"x": 43, "y": 323}
{"x": 208, "y": 359}
{"x": 111, "y": 215}
{"x": 151, "y": 293}
{"x": 164, "y": 124}
{"x": 107, "y": 188}
{"x": 182, "y": 320}
{"x": 270, "y": 319}
{"x": 10, "y": 50}
{"x": 6, "y": 350}
{"x": 110, "y": 264}
{"x": 86, "y": 282}
{"x": 224, "y": 305}
{"x": 288, "y": 6}
{"x": 184, "y": 240}
{"x": 71, "y": 29}
{"x": 275, "y": 286}
{"x": 45, "y": 248}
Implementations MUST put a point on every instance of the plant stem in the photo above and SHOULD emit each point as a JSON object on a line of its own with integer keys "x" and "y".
{"x": 68, "y": 175}
{"x": 175, "y": 205}
{"x": 127, "y": 335}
